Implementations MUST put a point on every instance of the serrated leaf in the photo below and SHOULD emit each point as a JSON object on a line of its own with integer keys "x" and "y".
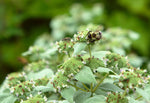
{"x": 143, "y": 93}
{"x": 110, "y": 87}
{"x": 86, "y": 76}
{"x": 78, "y": 47}
{"x": 68, "y": 93}
{"x": 80, "y": 96}
{"x": 41, "y": 74}
{"x": 96, "y": 99}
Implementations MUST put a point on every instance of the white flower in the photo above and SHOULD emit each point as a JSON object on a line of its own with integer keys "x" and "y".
{"x": 21, "y": 93}
{"x": 83, "y": 62}
{"x": 29, "y": 89}
{"x": 31, "y": 95}
{"x": 71, "y": 40}
{"x": 27, "y": 97}
{"x": 39, "y": 93}
{"x": 17, "y": 94}
{"x": 126, "y": 58}
{"x": 120, "y": 84}
{"x": 108, "y": 93}
{"x": 45, "y": 98}
{"x": 21, "y": 101}
{"x": 11, "y": 90}
{"x": 145, "y": 70}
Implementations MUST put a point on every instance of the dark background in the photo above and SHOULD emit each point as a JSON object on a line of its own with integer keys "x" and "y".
{"x": 22, "y": 21}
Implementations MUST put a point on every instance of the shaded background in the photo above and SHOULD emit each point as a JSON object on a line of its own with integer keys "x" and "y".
{"x": 22, "y": 21}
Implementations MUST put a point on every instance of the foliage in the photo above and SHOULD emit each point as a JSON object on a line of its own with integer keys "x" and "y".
{"x": 22, "y": 22}
{"x": 79, "y": 70}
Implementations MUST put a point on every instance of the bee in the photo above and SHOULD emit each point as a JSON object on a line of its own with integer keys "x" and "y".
{"x": 99, "y": 36}
{"x": 94, "y": 36}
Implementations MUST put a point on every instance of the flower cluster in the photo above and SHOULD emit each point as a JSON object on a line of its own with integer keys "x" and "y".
{"x": 90, "y": 35}
{"x": 22, "y": 89}
{"x": 65, "y": 45}
{"x": 66, "y": 72}
{"x": 15, "y": 78}
{"x": 131, "y": 79}
{"x": 94, "y": 63}
{"x": 35, "y": 99}
{"x": 42, "y": 81}
{"x": 34, "y": 50}
{"x": 115, "y": 62}
{"x": 116, "y": 98}
{"x": 36, "y": 66}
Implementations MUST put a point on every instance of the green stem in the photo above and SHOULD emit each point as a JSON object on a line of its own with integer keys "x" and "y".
{"x": 60, "y": 97}
{"x": 85, "y": 86}
{"x": 89, "y": 46}
{"x": 91, "y": 89}
{"x": 77, "y": 87}
{"x": 99, "y": 83}
{"x": 138, "y": 97}
{"x": 125, "y": 92}
{"x": 68, "y": 54}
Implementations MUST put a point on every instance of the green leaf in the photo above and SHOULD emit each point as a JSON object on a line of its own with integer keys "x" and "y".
{"x": 100, "y": 54}
{"x": 143, "y": 93}
{"x": 68, "y": 93}
{"x": 53, "y": 96}
{"x": 41, "y": 74}
{"x": 51, "y": 86}
{"x": 100, "y": 92}
{"x": 80, "y": 96}
{"x": 136, "y": 61}
{"x": 7, "y": 98}
{"x": 56, "y": 101}
{"x": 3, "y": 96}
{"x": 110, "y": 87}
{"x": 104, "y": 70}
{"x": 86, "y": 76}
{"x": 96, "y": 99}
{"x": 78, "y": 47}
{"x": 120, "y": 51}
{"x": 43, "y": 89}
{"x": 132, "y": 100}
{"x": 48, "y": 53}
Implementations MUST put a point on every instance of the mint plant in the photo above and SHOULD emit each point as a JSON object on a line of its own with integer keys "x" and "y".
{"x": 75, "y": 70}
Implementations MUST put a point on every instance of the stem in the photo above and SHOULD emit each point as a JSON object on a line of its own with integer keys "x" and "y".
{"x": 89, "y": 46}
{"x": 68, "y": 54}
{"x": 60, "y": 97}
{"x": 125, "y": 92}
{"x": 77, "y": 87}
{"x": 138, "y": 97}
{"x": 91, "y": 89}
{"x": 91, "y": 86}
{"x": 85, "y": 86}
{"x": 99, "y": 83}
